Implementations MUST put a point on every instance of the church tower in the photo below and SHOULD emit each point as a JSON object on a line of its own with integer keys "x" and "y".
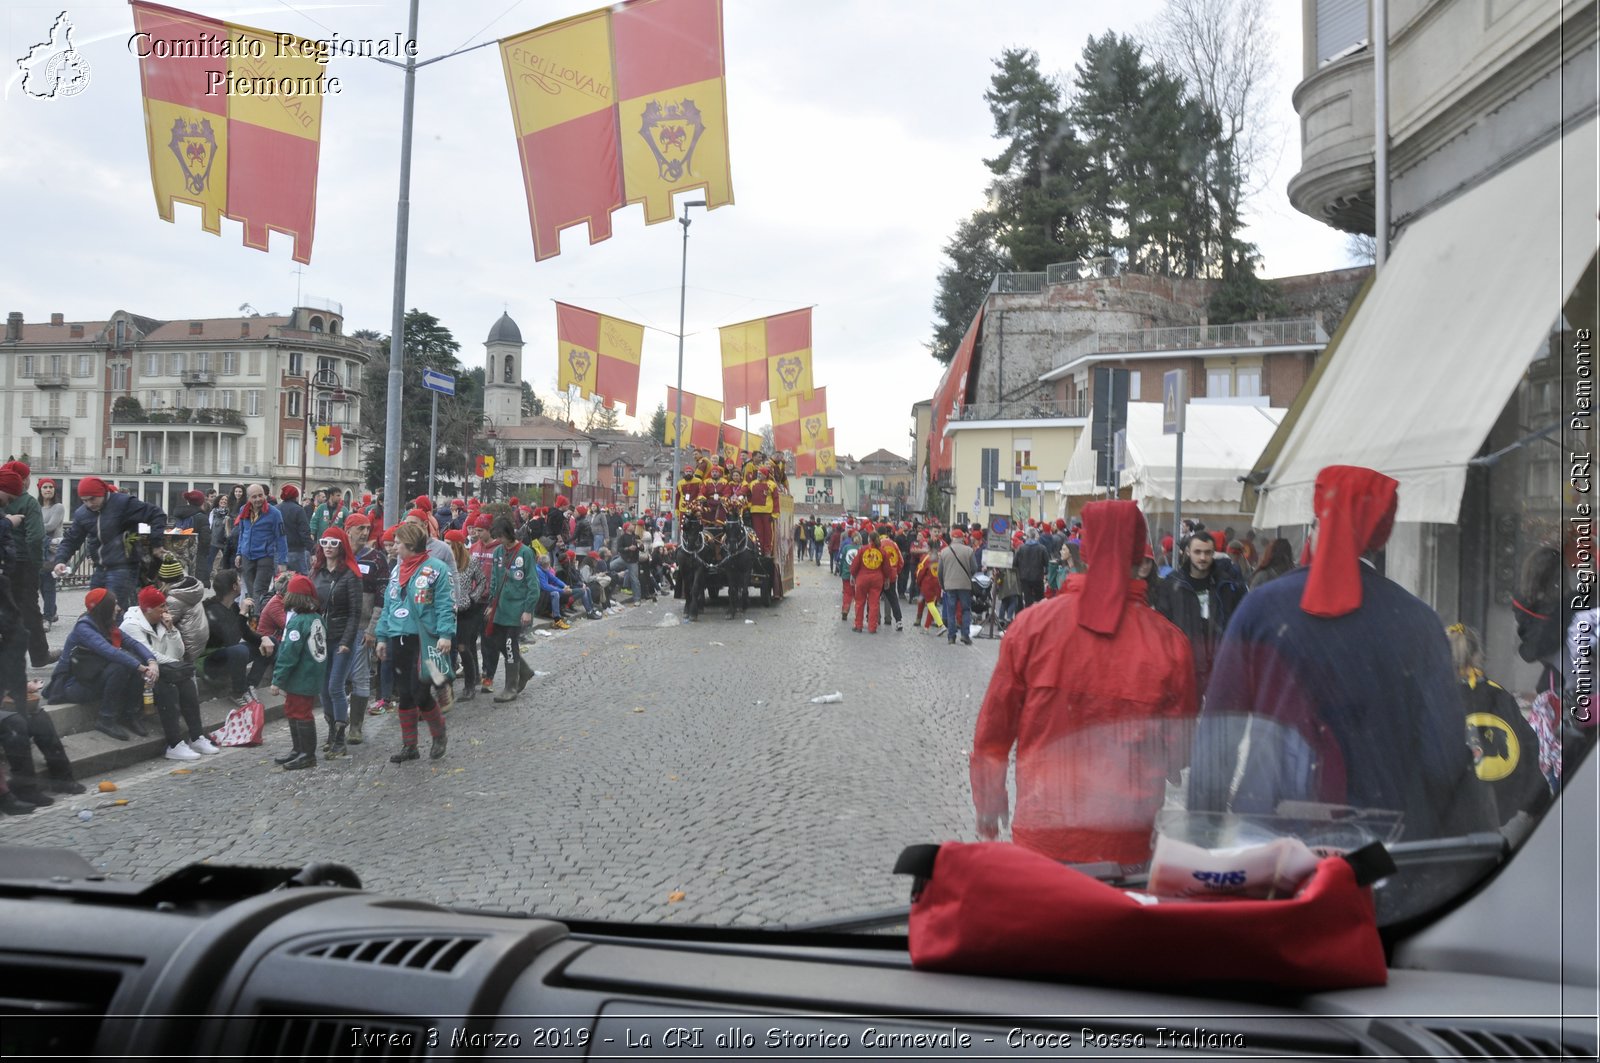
{"x": 502, "y": 373}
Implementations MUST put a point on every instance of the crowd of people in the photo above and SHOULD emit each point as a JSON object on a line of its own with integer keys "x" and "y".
{"x": 320, "y": 601}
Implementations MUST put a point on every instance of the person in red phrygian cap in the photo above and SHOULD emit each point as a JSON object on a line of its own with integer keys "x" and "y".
{"x": 1354, "y": 670}
{"x": 1093, "y": 754}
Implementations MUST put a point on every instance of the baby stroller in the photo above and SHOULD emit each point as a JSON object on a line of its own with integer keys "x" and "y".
{"x": 982, "y": 596}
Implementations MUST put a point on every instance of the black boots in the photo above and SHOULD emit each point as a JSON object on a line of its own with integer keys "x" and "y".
{"x": 358, "y": 716}
{"x": 437, "y": 749}
{"x": 406, "y": 753}
{"x": 336, "y": 747}
{"x": 305, "y": 744}
{"x": 524, "y": 673}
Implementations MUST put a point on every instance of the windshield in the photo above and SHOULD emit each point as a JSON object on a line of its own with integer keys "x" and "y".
{"x": 1060, "y": 439}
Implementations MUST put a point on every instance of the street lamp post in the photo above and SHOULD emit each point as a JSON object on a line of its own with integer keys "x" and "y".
{"x": 677, "y": 415}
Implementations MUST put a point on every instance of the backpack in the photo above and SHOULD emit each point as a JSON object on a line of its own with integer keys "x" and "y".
{"x": 818, "y": 534}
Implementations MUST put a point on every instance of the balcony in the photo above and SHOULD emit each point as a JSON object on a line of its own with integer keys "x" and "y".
{"x": 51, "y": 380}
{"x": 46, "y": 425}
{"x": 230, "y": 421}
{"x": 1335, "y": 184}
{"x": 199, "y": 378}
{"x": 1298, "y": 333}
{"x": 1024, "y": 410}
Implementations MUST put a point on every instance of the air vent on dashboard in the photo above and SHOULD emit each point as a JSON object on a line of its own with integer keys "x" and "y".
{"x": 418, "y": 953}
{"x": 335, "y": 1037}
{"x": 53, "y": 1008}
{"x": 1477, "y": 1043}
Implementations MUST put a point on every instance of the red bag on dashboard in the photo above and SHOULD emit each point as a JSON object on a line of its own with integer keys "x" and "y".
{"x": 996, "y": 908}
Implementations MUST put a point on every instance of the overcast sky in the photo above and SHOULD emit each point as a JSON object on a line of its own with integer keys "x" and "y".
{"x": 857, "y": 132}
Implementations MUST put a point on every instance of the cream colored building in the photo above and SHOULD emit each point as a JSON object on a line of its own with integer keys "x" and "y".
{"x": 160, "y": 407}
{"x": 1010, "y": 446}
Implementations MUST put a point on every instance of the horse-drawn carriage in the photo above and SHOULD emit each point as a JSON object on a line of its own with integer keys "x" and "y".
{"x": 718, "y": 555}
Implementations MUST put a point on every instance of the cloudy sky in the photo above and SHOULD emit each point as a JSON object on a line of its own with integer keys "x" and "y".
{"x": 858, "y": 131}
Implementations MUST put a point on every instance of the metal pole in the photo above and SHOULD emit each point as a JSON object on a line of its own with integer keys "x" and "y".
{"x": 677, "y": 416}
{"x": 1177, "y": 505}
{"x": 1380, "y": 147}
{"x": 433, "y": 442}
{"x": 305, "y": 433}
{"x": 397, "y": 328}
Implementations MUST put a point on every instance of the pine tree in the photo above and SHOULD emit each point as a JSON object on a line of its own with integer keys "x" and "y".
{"x": 658, "y": 424}
{"x": 975, "y": 257}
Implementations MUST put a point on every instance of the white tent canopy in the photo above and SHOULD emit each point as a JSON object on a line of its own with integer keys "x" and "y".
{"x": 1220, "y": 445}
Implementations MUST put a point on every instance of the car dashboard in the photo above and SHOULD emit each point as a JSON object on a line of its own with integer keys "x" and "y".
{"x": 222, "y": 962}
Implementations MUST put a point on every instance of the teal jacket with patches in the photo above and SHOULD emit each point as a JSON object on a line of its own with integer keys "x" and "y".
{"x": 423, "y": 607}
{"x": 302, "y": 658}
{"x": 513, "y": 585}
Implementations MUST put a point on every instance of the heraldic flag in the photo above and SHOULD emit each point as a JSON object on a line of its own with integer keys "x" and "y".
{"x": 251, "y": 158}
{"x": 330, "y": 440}
{"x": 766, "y": 359}
{"x": 735, "y": 440}
{"x": 820, "y": 460}
{"x": 702, "y": 420}
{"x": 598, "y": 355}
{"x": 787, "y": 415}
{"x": 620, "y": 105}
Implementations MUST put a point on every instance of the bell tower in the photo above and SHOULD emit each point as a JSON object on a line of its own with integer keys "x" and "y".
{"x": 502, "y": 373}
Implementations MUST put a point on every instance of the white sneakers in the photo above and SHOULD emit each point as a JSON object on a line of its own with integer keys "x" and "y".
{"x": 203, "y": 746}
{"x": 181, "y": 752}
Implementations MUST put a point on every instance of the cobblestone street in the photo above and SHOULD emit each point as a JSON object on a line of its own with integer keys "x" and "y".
{"x": 656, "y": 757}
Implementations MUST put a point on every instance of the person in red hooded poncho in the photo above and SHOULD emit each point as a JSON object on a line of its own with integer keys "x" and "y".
{"x": 1345, "y": 683}
{"x": 1097, "y": 692}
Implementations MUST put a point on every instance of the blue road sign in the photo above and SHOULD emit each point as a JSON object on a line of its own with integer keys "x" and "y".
{"x": 443, "y": 383}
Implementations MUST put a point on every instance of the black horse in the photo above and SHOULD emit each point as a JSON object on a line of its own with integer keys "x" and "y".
{"x": 734, "y": 561}
{"x": 692, "y": 545}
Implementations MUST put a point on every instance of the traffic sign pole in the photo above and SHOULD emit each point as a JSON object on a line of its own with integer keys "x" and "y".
{"x": 433, "y": 442}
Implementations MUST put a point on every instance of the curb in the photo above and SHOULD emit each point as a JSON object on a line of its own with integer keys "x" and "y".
{"x": 92, "y": 753}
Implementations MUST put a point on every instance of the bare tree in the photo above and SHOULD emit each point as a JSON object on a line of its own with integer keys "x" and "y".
{"x": 561, "y": 409}
{"x": 1361, "y": 248}
{"x": 767, "y": 445}
{"x": 1223, "y": 50}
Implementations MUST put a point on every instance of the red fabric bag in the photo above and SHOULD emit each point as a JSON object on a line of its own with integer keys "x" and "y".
{"x": 243, "y": 726}
{"x": 996, "y": 908}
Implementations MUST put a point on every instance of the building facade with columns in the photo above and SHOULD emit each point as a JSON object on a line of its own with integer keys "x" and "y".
{"x": 161, "y": 407}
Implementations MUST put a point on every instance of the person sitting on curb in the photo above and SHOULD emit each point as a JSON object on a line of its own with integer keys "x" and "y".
{"x": 100, "y": 667}
{"x": 175, "y": 691}
{"x": 234, "y": 651}
{"x": 186, "y": 598}
{"x": 557, "y": 594}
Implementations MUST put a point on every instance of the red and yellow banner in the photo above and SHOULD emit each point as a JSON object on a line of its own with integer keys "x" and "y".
{"x": 621, "y": 105}
{"x": 233, "y": 122}
{"x": 768, "y": 359}
{"x": 569, "y": 478}
{"x": 598, "y": 355}
{"x": 702, "y": 421}
{"x": 734, "y": 440}
{"x": 818, "y": 462}
{"x": 787, "y": 415}
{"x": 330, "y": 440}
{"x": 814, "y": 433}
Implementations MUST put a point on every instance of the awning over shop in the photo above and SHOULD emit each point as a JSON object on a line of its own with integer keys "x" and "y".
{"x": 1220, "y": 444}
{"x": 1444, "y": 335}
